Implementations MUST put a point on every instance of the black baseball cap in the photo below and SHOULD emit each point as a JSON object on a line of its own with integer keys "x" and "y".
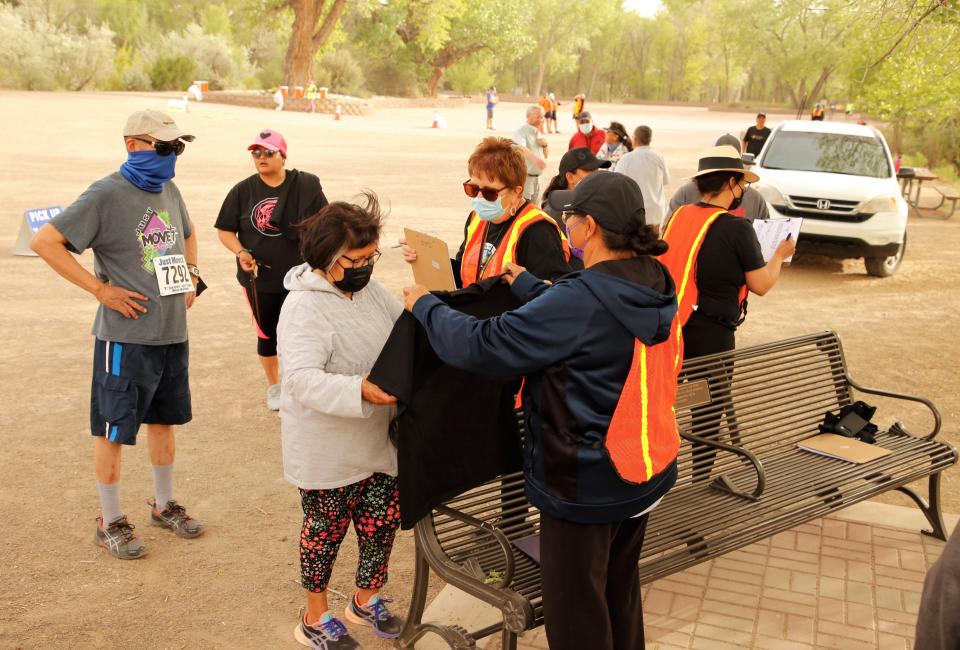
{"x": 613, "y": 200}
{"x": 581, "y": 158}
{"x": 585, "y": 115}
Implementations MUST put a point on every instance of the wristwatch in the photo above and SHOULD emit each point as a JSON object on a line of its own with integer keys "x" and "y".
{"x": 194, "y": 271}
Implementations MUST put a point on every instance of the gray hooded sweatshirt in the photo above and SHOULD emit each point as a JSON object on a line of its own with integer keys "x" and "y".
{"x": 327, "y": 344}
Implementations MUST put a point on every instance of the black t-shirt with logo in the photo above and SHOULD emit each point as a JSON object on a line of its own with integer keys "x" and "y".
{"x": 249, "y": 211}
{"x": 755, "y": 138}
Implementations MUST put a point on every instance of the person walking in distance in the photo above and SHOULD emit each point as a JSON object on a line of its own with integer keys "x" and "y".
{"x": 256, "y": 224}
{"x": 531, "y": 143}
{"x": 756, "y": 136}
{"x": 491, "y": 103}
{"x": 145, "y": 278}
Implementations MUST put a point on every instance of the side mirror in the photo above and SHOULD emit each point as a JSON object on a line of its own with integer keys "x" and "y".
{"x": 749, "y": 159}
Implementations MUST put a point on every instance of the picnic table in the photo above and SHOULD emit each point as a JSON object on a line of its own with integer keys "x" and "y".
{"x": 918, "y": 176}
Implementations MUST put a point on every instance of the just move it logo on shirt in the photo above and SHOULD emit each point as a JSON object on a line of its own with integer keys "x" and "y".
{"x": 156, "y": 235}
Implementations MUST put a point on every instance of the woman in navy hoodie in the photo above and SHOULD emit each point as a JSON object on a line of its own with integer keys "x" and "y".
{"x": 600, "y": 350}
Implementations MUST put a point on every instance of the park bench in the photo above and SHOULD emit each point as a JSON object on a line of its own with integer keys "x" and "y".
{"x": 762, "y": 400}
{"x": 947, "y": 193}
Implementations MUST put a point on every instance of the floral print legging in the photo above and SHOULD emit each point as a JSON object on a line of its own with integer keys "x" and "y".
{"x": 373, "y": 506}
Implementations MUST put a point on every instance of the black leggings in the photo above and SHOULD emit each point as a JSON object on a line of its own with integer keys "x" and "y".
{"x": 266, "y": 314}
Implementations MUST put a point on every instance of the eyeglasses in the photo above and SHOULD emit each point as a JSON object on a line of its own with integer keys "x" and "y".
{"x": 566, "y": 216}
{"x": 363, "y": 261}
{"x": 488, "y": 193}
{"x": 165, "y": 148}
{"x": 269, "y": 153}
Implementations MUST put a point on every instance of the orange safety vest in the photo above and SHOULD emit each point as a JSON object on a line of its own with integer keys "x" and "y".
{"x": 472, "y": 268}
{"x": 685, "y": 233}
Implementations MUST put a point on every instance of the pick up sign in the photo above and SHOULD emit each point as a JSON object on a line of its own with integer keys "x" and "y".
{"x": 33, "y": 220}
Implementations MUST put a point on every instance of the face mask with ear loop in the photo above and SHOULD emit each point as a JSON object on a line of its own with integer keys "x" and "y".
{"x": 354, "y": 279}
{"x": 737, "y": 200}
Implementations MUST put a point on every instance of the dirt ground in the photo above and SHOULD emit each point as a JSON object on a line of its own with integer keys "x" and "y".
{"x": 237, "y": 586}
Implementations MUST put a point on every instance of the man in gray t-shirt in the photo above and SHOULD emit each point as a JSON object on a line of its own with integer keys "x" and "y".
{"x": 145, "y": 278}
{"x": 533, "y": 146}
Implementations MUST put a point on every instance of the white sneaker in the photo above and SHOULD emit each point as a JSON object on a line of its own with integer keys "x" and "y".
{"x": 273, "y": 397}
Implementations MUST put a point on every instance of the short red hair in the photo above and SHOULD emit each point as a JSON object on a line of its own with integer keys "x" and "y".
{"x": 498, "y": 158}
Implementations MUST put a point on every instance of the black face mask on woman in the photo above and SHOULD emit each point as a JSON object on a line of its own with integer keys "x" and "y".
{"x": 355, "y": 279}
{"x": 737, "y": 200}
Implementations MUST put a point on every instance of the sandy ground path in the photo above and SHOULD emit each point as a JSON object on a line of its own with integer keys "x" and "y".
{"x": 238, "y": 585}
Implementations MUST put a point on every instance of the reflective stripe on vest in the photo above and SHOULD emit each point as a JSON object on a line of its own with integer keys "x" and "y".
{"x": 643, "y": 438}
{"x": 471, "y": 269}
{"x": 685, "y": 234}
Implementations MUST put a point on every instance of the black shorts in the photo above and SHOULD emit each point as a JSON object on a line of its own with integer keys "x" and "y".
{"x": 266, "y": 315}
{"x": 135, "y": 384}
{"x": 550, "y": 115}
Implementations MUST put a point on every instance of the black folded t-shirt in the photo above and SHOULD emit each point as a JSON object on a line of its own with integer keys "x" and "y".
{"x": 455, "y": 429}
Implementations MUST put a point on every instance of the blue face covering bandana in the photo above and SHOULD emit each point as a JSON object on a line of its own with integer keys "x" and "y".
{"x": 147, "y": 170}
{"x": 488, "y": 210}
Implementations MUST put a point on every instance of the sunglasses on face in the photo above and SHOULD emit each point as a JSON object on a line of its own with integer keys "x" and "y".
{"x": 488, "y": 193}
{"x": 363, "y": 261}
{"x": 165, "y": 148}
{"x": 256, "y": 153}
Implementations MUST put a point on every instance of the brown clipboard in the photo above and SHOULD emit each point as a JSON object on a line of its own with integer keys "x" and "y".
{"x": 432, "y": 268}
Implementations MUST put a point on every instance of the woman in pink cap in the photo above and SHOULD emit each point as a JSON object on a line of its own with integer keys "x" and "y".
{"x": 256, "y": 224}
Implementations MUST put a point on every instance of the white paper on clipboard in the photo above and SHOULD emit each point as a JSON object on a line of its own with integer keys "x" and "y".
{"x": 772, "y": 232}
{"x": 432, "y": 268}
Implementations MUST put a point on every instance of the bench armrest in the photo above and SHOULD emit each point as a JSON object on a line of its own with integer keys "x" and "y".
{"x": 494, "y": 532}
{"x": 937, "y": 420}
{"x": 722, "y": 481}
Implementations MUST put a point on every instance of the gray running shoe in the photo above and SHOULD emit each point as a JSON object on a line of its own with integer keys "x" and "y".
{"x": 375, "y": 614}
{"x": 174, "y": 517}
{"x": 325, "y": 635}
{"x": 119, "y": 539}
{"x": 273, "y": 397}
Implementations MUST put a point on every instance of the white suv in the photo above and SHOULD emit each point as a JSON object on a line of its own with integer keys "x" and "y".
{"x": 840, "y": 178}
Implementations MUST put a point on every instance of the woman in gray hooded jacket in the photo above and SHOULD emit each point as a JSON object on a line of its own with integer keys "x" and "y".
{"x": 334, "y": 422}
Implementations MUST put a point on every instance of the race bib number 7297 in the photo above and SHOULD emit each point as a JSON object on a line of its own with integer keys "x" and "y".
{"x": 172, "y": 274}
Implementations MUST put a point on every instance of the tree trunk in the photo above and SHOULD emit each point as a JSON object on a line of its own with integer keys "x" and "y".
{"x": 308, "y": 35}
{"x": 541, "y": 70}
{"x": 434, "y": 81}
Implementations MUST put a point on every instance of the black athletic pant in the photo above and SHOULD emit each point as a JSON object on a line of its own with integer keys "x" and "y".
{"x": 703, "y": 336}
{"x": 591, "y": 584}
{"x": 266, "y": 314}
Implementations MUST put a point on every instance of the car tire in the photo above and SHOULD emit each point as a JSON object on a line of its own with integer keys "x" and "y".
{"x": 884, "y": 267}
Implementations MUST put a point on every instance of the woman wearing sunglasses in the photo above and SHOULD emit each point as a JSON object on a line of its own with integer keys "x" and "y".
{"x": 256, "y": 224}
{"x": 336, "y": 447}
{"x": 503, "y": 227}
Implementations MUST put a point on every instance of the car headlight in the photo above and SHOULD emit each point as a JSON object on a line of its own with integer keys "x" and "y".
{"x": 882, "y": 203}
{"x": 771, "y": 194}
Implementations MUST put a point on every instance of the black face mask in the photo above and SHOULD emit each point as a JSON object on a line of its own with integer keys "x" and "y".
{"x": 355, "y": 279}
{"x": 737, "y": 200}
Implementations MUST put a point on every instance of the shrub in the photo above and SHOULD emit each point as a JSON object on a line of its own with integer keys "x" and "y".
{"x": 340, "y": 72}
{"x": 172, "y": 73}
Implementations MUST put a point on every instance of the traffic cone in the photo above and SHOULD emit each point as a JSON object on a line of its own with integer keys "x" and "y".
{"x": 436, "y": 121}
{"x": 336, "y": 115}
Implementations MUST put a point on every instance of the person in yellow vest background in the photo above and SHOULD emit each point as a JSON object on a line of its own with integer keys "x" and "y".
{"x": 503, "y": 227}
{"x": 600, "y": 354}
{"x": 715, "y": 260}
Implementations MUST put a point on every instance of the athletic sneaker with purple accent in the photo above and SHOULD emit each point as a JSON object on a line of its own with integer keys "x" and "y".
{"x": 328, "y": 634}
{"x": 376, "y": 614}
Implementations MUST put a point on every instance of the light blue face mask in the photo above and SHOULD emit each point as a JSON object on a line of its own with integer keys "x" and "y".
{"x": 586, "y": 128}
{"x": 488, "y": 210}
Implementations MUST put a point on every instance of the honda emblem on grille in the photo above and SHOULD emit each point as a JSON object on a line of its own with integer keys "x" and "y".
{"x": 823, "y": 204}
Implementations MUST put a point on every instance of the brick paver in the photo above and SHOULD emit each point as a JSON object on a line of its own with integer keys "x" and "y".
{"x": 829, "y": 583}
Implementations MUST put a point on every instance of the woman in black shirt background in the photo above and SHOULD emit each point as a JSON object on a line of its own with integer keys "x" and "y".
{"x": 256, "y": 224}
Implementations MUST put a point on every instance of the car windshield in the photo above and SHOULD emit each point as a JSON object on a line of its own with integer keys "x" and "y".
{"x": 827, "y": 152}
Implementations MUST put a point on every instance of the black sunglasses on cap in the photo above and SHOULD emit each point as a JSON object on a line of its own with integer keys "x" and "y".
{"x": 165, "y": 148}
{"x": 269, "y": 153}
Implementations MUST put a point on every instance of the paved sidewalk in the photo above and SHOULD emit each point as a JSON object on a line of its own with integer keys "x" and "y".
{"x": 831, "y": 583}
